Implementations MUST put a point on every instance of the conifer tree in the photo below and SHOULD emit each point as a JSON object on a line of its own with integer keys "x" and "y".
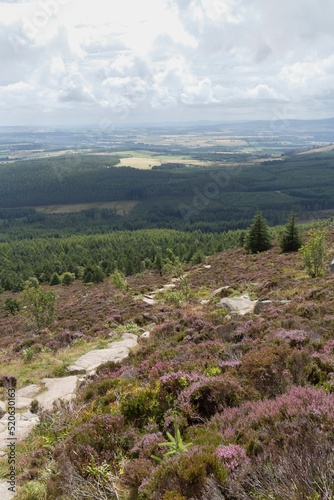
{"x": 290, "y": 240}
{"x": 258, "y": 237}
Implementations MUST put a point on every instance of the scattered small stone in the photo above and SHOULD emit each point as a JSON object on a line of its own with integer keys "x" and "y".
{"x": 150, "y": 301}
{"x": 145, "y": 335}
{"x": 168, "y": 286}
{"x": 220, "y": 290}
{"x": 28, "y": 415}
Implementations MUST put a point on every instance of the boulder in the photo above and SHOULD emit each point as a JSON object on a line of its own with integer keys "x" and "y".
{"x": 237, "y": 305}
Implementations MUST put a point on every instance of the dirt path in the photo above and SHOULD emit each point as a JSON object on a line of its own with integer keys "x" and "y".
{"x": 51, "y": 390}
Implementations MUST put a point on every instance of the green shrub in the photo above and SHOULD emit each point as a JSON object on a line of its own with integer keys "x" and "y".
{"x": 314, "y": 253}
{"x": 184, "y": 474}
{"x": 12, "y": 306}
{"x": 55, "y": 279}
{"x": 67, "y": 278}
{"x": 39, "y": 305}
{"x": 118, "y": 280}
{"x": 34, "y": 490}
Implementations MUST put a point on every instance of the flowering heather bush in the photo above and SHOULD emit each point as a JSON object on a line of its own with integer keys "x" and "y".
{"x": 232, "y": 456}
{"x": 267, "y": 426}
{"x": 265, "y": 368}
{"x": 194, "y": 328}
{"x": 184, "y": 474}
{"x": 230, "y": 363}
{"x": 103, "y": 437}
{"x": 325, "y": 357}
{"x": 135, "y": 471}
{"x": 65, "y": 339}
{"x": 172, "y": 384}
{"x": 292, "y": 337}
{"x": 188, "y": 357}
{"x": 251, "y": 329}
{"x": 208, "y": 395}
{"x": 148, "y": 445}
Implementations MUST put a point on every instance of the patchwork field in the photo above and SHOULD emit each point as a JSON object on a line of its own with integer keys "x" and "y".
{"x": 145, "y": 160}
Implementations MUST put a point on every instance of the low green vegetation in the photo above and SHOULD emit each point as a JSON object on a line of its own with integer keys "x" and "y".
{"x": 92, "y": 257}
{"x": 314, "y": 252}
{"x": 38, "y": 305}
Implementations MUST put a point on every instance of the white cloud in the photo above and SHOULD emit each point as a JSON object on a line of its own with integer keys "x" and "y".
{"x": 165, "y": 58}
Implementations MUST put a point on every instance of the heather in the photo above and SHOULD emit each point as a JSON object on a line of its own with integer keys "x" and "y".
{"x": 210, "y": 405}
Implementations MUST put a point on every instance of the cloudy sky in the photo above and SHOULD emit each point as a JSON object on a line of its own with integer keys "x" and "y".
{"x": 86, "y": 61}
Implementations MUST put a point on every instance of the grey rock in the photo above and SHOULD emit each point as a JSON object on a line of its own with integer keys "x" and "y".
{"x": 57, "y": 388}
{"x": 220, "y": 290}
{"x": 5, "y": 493}
{"x": 145, "y": 335}
{"x": 29, "y": 416}
{"x": 29, "y": 391}
{"x": 22, "y": 402}
{"x": 168, "y": 286}
{"x": 237, "y": 305}
{"x": 331, "y": 267}
{"x": 116, "y": 351}
{"x": 150, "y": 301}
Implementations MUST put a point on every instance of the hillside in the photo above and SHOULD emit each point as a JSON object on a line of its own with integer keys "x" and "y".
{"x": 247, "y": 400}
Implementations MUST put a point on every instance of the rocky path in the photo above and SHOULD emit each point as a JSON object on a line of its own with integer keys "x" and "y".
{"x": 54, "y": 389}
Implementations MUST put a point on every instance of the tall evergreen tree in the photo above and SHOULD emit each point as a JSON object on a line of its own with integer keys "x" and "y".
{"x": 258, "y": 237}
{"x": 290, "y": 240}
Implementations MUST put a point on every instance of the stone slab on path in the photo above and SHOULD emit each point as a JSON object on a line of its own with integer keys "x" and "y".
{"x": 23, "y": 426}
{"x": 57, "y": 388}
{"x": 148, "y": 299}
{"x": 116, "y": 351}
{"x": 4, "y": 491}
{"x": 29, "y": 391}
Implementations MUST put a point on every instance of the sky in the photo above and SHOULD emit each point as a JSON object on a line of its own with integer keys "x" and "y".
{"x": 129, "y": 61}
